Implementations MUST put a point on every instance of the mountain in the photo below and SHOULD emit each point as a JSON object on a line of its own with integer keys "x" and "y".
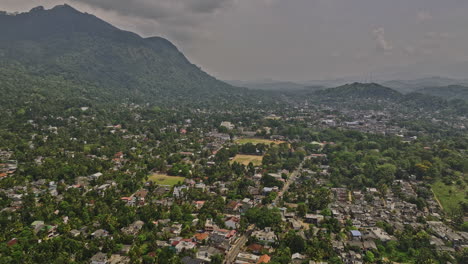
{"x": 85, "y": 51}
{"x": 268, "y": 85}
{"x": 360, "y": 90}
{"x": 450, "y": 92}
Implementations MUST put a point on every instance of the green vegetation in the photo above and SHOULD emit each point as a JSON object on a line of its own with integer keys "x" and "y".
{"x": 264, "y": 217}
{"x": 450, "y": 196}
{"x": 162, "y": 179}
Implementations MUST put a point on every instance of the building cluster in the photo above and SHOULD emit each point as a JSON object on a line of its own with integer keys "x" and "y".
{"x": 7, "y": 166}
{"x": 369, "y": 213}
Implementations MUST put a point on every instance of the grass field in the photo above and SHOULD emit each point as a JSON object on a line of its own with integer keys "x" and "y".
{"x": 163, "y": 179}
{"x": 449, "y": 195}
{"x": 89, "y": 147}
{"x": 246, "y": 159}
{"x": 256, "y": 141}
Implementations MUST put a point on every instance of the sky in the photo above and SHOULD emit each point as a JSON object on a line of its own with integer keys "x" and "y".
{"x": 296, "y": 40}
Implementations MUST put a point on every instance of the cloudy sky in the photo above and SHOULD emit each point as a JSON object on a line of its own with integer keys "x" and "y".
{"x": 292, "y": 39}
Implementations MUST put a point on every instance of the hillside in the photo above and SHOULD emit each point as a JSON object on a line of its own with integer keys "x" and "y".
{"x": 450, "y": 92}
{"x": 82, "y": 49}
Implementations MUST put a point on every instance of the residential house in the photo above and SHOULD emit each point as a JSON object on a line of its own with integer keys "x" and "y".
{"x": 255, "y": 248}
{"x": 247, "y": 258}
{"x": 209, "y": 225}
{"x": 198, "y": 204}
{"x": 266, "y": 236}
{"x": 100, "y": 233}
{"x": 184, "y": 245}
{"x": 356, "y": 234}
{"x": 99, "y": 258}
{"x": 140, "y": 196}
{"x": 314, "y": 218}
{"x": 232, "y": 222}
{"x": 134, "y": 228}
{"x": 233, "y": 207}
{"x": 200, "y": 237}
{"x": 206, "y": 252}
{"x": 264, "y": 259}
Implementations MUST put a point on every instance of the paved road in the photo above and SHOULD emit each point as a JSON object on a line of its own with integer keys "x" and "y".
{"x": 236, "y": 248}
{"x": 291, "y": 179}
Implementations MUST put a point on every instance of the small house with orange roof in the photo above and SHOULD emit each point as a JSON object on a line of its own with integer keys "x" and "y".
{"x": 264, "y": 259}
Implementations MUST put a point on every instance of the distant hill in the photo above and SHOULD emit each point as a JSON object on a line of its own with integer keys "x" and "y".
{"x": 329, "y": 83}
{"x": 422, "y": 70}
{"x": 360, "y": 90}
{"x": 407, "y": 86}
{"x": 448, "y": 92}
{"x": 368, "y": 95}
{"x": 63, "y": 43}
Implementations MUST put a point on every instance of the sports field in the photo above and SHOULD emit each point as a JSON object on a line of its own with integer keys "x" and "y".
{"x": 164, "y": 179}
{"x": 246, "y": 159}
{"x": 256, "y": 141}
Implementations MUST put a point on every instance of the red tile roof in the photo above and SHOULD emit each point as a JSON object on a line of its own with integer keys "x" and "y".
{"x": 201, "y": 236}
{"x": 264, "y": 259}
{"x": 12, "y": 242}
{"x": 255, "y": 247}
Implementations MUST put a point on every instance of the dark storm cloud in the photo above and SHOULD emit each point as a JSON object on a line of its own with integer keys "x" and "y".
{"x": 159, "y": 9}
{"x": 176, "y": 19}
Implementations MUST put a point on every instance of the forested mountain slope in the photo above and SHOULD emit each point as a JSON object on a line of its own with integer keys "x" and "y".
{"x": 81, "y": 49}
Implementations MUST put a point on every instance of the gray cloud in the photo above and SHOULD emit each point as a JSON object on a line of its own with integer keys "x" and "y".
{"x": 382, "y": 43}
{"x": 423, "y": 16}
{"x": 206, "y": 6}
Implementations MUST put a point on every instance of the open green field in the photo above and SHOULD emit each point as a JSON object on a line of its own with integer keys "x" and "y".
{"x": 256, "y": 141}
{"x": 163, "y": 179}
{"x": 449, "y": 195}
{"x": 89, "y": 147}
{"x": 246, "y": 159}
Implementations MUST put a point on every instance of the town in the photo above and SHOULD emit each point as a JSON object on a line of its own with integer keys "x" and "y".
{"x": 233, "y": 194}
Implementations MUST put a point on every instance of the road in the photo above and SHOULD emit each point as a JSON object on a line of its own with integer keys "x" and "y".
{"x": 236, "y": 248}
{"x": 240, "y": 242}
{"x": 292, "y": 178}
